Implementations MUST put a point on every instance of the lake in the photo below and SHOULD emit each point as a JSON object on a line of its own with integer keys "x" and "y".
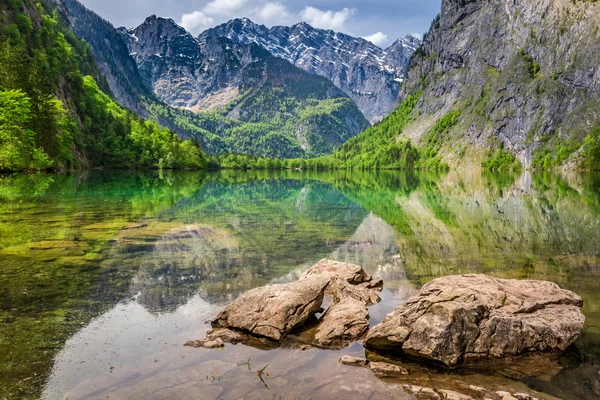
{"x": 105, "y": 275}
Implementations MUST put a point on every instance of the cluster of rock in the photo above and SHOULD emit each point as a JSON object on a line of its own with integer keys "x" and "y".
{"x": 452, "y": 321}
{"x": 387, "y": 370}
{"x": 274, "y": 311}
{"x": 425, "y": 393}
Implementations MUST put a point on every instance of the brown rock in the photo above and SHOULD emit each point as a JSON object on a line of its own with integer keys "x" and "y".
{"x": 422, "y": 392}
{"x": 505, "y": 396}
{"x": 226, "y": 335}
{"x": 375, "y": 284}
{"x": 273, "y": 311}
{"x": 358, "y": 292}
{"x": 386, "y": 370}
{"x": 345, "y": 320}
{"x": 452, "y": 395}
{"x": 354, "y": 361}
{"x": 469, "y": 318}
{"x": 348, "y": 317}
{"x": 477, "y": 389}
{"x": 329, "y": 269}
{"x": 207, "y": 344}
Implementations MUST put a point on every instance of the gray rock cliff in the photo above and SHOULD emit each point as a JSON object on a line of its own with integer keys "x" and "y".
{"x": 523, "y": 74}
{"x": 371, "y": 76}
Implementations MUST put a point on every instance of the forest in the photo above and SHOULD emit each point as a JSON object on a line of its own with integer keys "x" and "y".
{"x": 54, "y": 110}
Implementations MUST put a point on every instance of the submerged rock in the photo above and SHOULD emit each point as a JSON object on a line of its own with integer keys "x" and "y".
{"x": 226, "y": 335}
{"x": 375, "y": 284}
{"x": 207, "y": 344}
{"x": 275, "y": 310}
{"x": 469, "y": 318}
{"x": 386, "y": 370}
{"x": 354, "y": 361}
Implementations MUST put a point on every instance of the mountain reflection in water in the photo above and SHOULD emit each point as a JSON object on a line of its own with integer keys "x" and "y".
{"x": 110, "y": 273}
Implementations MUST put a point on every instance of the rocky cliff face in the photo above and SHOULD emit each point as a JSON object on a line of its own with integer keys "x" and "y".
{"x": 523, "y": 74}
{"x": 371, "y": 76}
{"x": 112, "y": 56}
{"x": 185, "y": 72}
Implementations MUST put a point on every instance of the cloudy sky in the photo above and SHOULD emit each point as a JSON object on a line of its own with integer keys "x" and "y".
{"x": 381, "y": 21}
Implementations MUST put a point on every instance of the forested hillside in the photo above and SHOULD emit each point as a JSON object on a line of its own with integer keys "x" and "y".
{"x": 54, "y": 110}
{"x": 377, "y": 148}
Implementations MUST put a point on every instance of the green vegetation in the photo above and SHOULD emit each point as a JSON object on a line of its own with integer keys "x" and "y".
{"x": 434, "y": 139}
{"x": 547, "y": 158}
{"x": 379, "y": 147}
{"x": 533, "y": 67}
{"x": 591, "y": 149}
{"x": 272, "y": 123}
{"x": 120, "y": 140}
{"x": 501, "y": 160}
{"x": 53, "y": 114}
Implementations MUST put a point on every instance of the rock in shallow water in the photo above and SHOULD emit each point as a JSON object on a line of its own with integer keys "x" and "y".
{"x": 329, "y": 269}
{"x": 468, "y": 318}
{"x": 346, "y": 320}
{"x": 363, "y": 294}
{"x": 207, "y": 344}
{"x": 275, "y": 310}
{"x": 385, "y": 370}
{"x": 354, "y": 361}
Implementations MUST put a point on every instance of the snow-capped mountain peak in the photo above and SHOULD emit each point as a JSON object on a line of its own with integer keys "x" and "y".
{"x": 370, "y": 75}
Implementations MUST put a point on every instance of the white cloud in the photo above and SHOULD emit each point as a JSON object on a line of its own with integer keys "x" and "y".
{"x": 378, "y": 38}
{"x": 268, "y": 12}
{"x": 224, "y": 7}
{"x": 196, "y": 22}
{"x": 271, "y": 13}
{"x": 327, "y": 19}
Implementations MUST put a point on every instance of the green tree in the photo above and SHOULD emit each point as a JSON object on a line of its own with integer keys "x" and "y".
{"x": 18, "y": 149}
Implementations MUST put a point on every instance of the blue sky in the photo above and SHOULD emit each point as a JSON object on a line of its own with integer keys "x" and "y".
{"x": 382, "y": 21}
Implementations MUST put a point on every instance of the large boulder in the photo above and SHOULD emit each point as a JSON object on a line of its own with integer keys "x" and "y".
{"x": 275, "y": 310}
{"x": 469, "y": 318}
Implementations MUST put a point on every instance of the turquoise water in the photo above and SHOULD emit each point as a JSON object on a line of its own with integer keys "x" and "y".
{"x": 106, "y": 274}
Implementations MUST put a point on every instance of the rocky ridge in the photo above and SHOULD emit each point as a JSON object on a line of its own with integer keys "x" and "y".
{"x": 370, "y": 75}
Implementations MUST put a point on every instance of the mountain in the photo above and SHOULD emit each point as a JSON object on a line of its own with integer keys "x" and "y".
{"x": 210, "y": 90}
{"x": 252, "y": 101}
{"x": 368, "y": 74}
{"x": 55, "y": 106}
{"x": 495, "y": 85}
{"x": 524, "y": 77}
